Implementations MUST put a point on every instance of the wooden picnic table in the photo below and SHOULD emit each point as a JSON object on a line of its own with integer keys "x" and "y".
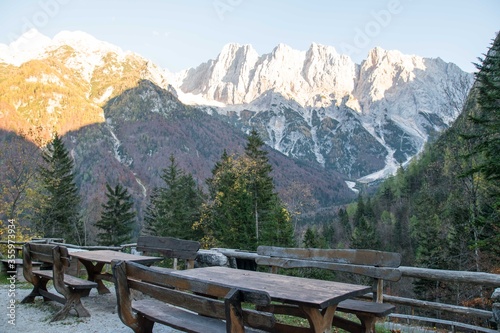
{"x": 316, "y": 300}
{"x": 94, "y": 262}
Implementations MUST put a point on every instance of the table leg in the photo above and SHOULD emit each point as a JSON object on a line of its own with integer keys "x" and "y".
{"x": 93, "y": 271}
{"x": 320, "y": 320}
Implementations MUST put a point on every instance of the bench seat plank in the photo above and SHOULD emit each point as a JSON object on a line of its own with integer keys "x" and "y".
{"x": 180, "y": 319}
{"x": 69, "y": 280}
{"x": 376, "y": 309}
{"x": 177, "y": 318}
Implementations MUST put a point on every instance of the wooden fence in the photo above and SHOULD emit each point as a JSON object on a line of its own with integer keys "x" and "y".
{"x": 465, "y": 277}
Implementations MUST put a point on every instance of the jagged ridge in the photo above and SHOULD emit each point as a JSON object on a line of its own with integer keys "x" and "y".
{"x": 395, "y": 102}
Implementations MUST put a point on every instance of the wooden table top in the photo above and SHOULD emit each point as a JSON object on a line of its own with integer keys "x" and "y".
{"x": 287, "y": 289}
{"x": 106, "y": 256}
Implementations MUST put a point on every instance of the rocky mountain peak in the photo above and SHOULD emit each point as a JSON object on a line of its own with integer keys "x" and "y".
{"x": 310, "y": 98}
{"x": 315, "y": 105}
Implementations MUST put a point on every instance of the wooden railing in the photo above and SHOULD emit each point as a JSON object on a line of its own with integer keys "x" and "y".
{"x": 465, "y": 277}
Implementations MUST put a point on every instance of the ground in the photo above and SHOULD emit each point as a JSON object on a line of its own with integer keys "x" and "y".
{"x": 35, "y": 318}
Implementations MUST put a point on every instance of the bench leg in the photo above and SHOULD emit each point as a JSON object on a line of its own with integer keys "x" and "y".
{"x": 72, "y": 302}
{"x": 41, "y": 285}
{"x": 144, "y": 325}
{"x": 367, "y": 323}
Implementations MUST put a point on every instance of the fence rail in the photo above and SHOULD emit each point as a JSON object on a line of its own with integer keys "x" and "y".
{"x": 474, "y": 278}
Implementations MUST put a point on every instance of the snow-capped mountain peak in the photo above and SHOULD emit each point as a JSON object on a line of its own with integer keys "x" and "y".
{"x": 84, "y": 42}
{"x": 314, "y": 105}
{"x": 28, "y": 46}
{"x": 309, "y": 99}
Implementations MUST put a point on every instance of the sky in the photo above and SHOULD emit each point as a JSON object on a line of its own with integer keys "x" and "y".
{"x": 179, "y": 34}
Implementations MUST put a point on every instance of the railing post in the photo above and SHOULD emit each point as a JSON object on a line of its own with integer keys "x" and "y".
{"x": 378, "y": 290}
{"x": 495, "y": 319}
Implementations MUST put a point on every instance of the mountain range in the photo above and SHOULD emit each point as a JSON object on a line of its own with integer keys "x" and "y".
{"x": 362, "y": 120}
{"x": 328, "y": 121}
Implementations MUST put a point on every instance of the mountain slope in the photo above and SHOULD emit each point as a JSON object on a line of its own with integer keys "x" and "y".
{"x": 319, "y": 105}
{"x": 61, "y": 84}
{"x": 146, "y": 124}
{"x": 120, "y": 114}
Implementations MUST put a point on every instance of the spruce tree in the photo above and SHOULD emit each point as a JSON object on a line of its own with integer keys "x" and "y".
{"x": 311, "y": 238}
{"x": 117, "y": 218}
{"x": 174, "y": 209}
{"x": 486, "y": 141}
{"x": 244, "y": 211}
{"x": 58, "y": 209}
{"x": 365, "y": 235}
{"x": 488, "y": 117}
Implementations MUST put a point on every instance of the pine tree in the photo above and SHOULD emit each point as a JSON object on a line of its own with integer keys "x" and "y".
{"x": 227, "y": 219}
{"x": 311, "y": 238}
{"x": 488, "y": 119}
{"x": 365, "y": 235}
{"x": 345, "y": 223}
{"x": 260, "y": 183}
{"x": 244, "y": 211}
{"x": 486, "y": 141}
{"x": 58, "y": 211}
{"x": 117, "y": 218}
{"x": 174, "y": 209}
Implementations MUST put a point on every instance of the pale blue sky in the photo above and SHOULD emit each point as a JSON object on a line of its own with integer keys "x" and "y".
{"x": 180, "y": 34}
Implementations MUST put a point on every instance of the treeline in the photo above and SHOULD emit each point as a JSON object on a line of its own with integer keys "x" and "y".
{"x": 240, "y": 210}
{"x": 443, "y": 209}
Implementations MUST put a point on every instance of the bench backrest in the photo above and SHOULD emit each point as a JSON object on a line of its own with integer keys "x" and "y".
{"x": 198, "y": 296}
{"x": 55, "y": 255}
{"x": 169, "y": 247}
{"x": 378, "y": 265}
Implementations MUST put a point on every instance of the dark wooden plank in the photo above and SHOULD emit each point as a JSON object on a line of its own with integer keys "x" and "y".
{"x": 52, "y": 296}
{"x": 342, "y": 256}
{"x": 152, "y": 275}
{"x": 450, "y": 308}
{"x": 196, "y": 303}
{"x": 107, "y": 256}
{"x": 168, "y": 246}
{"x": 391, "y": 274}
{"x": 158, "y": 284}
{"x": 178, "y": 318}
{"x": 434, "y": 321}
{"x": 41, "y": 252}
{"x": 479, "y": 278}
{"x": 16, "y": 261}
{"x": 369, "y": 308}
{"x": 294, "y": 290}
{"x": 70, "y": 280}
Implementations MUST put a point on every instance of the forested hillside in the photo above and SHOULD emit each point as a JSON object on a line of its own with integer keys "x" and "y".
{"x": 442, "y": 210}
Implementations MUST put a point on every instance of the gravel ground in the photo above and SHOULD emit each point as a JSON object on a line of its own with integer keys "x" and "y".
{"x": 35, "y": 317}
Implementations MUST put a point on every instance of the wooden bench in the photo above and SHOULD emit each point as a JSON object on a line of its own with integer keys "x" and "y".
{"x": 71, "y": 288}
{"x": 186, "y": 304}
{"x": 377, "y": 265}
{"x": 169, "y": 247}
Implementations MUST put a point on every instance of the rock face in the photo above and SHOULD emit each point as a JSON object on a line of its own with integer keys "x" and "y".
{"x": 361, "y": 120}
